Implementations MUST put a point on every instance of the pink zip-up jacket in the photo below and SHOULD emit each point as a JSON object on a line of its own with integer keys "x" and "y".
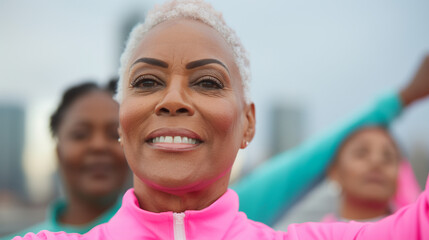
{"x": 222, "y": 220}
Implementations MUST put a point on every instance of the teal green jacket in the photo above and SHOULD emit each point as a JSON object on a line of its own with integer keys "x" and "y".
{"x": 275, "y": 185}
{"x": 268, "y": 191}
{"x": 51, "y": 222}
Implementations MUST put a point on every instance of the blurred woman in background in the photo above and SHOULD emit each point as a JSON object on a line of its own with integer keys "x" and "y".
{"x": 374, "y": 178}
{"x": 90, "y": 160}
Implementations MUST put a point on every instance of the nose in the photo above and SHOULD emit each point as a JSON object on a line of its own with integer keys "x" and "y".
{"x": 377, "y": 159}
{"x": 174, "y": 103}
{"x": 99, "y": 142}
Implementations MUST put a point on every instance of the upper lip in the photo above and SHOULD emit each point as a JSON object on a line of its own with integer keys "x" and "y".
{"x": 183, "y": 132}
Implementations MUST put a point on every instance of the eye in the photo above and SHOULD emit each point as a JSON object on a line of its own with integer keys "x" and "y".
{"x": 146, "y": 82}
{"x": 209, "y": 83}
{"x": 79, "y": 135}
{"x": 360, "y": 152}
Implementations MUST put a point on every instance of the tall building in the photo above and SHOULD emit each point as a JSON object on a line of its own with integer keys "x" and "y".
{"x": 287, "y": 127}
{"x": 12, "y": 123}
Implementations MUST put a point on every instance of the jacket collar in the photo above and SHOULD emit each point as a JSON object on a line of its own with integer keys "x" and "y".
{"x": 136, "y": 223}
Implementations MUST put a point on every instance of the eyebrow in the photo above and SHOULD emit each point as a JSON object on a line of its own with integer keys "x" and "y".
{"x": 151, "y": 61}
{"x": 202, "y": 62}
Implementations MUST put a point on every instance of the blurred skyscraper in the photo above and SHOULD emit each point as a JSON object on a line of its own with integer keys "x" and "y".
{"x": 287, "y": 127}
{"x": 12, "y": 124}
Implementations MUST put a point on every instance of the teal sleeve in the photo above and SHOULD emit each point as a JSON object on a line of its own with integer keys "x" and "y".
{"x": 275, "y": 185}
{"x": 51, "y": 224}
{"x": 34, "y": 229}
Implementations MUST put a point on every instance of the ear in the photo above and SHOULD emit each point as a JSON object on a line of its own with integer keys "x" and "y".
{"x": 249, "y": 127}
{"x": 120, "y": 136}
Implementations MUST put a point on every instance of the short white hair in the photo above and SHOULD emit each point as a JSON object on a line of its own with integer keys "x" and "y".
{"x": 192, "y": 9}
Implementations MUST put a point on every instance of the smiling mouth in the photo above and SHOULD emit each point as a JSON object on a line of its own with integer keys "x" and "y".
{"x": 174, "y": 143}
{"x": 175, "y": 140}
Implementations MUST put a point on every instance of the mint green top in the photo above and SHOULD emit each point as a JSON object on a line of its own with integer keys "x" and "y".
{"x": 275, "y": 185}
{"x": 51, "y": 223}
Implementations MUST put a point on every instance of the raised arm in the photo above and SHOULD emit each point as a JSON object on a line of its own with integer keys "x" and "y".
{"x": 275, "y": 185}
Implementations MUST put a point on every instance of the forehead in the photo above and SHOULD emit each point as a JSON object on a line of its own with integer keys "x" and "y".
{"x": 95, "y": 106}
{"x": 371, "y": 135}
{"x": 184, "y": 40}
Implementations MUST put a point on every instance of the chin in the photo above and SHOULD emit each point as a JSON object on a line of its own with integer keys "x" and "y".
{"x": 376, "y": 196}
{"x": 101, "y": 191}
{"x": 177, "y": 185}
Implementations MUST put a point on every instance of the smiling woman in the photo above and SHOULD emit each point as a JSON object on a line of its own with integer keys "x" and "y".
{"x": 174, "y": 91}
{"x": 184, "y": 114}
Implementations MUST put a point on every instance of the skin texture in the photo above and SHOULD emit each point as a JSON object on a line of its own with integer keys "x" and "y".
{"x": 366, "y": 169}
{"x": 91, "y": 160}
{"x": 176, "y": 95}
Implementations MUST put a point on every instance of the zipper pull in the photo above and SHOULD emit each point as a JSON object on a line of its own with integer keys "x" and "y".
{"x": 179, "y": 226}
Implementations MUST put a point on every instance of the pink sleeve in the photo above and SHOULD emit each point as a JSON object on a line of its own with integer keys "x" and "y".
{"x": 409, "y": 222}
{"x": 408, "y": 189}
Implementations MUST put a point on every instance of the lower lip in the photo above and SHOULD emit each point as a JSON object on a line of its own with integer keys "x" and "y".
{"x": 174, "y": 147}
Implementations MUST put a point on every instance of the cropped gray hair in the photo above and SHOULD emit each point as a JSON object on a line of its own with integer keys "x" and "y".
{"x": 192, "y": 9}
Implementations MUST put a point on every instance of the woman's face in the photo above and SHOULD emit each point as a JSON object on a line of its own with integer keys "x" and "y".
{"x": 183, "y": 116}
{"x": 91, "y": 160}
{"x": 367, "y": 166}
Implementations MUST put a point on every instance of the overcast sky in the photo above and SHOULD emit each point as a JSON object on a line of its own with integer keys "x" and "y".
{"x": 328, "y": 57}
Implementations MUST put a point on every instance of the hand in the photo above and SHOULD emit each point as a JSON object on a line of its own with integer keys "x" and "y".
{"x": 418, "y": 87}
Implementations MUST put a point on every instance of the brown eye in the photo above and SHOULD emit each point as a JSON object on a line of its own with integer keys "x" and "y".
{"x": 146, "y": 82}
{"x": 209, "y": 83}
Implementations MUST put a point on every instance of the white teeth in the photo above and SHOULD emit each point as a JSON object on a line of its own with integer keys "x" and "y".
{"x": 177, "y": 139}
{"x": 174, "y": 139}
{"x": 168, "y": 139}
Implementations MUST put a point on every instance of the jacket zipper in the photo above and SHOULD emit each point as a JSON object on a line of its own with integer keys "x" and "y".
{"x": 179, "y": 226}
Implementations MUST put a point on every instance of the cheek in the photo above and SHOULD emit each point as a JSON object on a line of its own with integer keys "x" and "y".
{"x": 132, "y": 115}
{"x": 70, "y": 153}
{"x": 225, "y": 119}
{"x": 352, "y": 168}
{"x": 70, "y": 162}
{"x": 223, "y": 116}
{"x": 351, "y": 172}
{"x": 391, "y": 174}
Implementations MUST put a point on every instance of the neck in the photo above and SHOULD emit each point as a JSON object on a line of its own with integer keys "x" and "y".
{"x": 162, "y": 201}
{"x": 81, "y": 211}
{"x": 358, "y": 209}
